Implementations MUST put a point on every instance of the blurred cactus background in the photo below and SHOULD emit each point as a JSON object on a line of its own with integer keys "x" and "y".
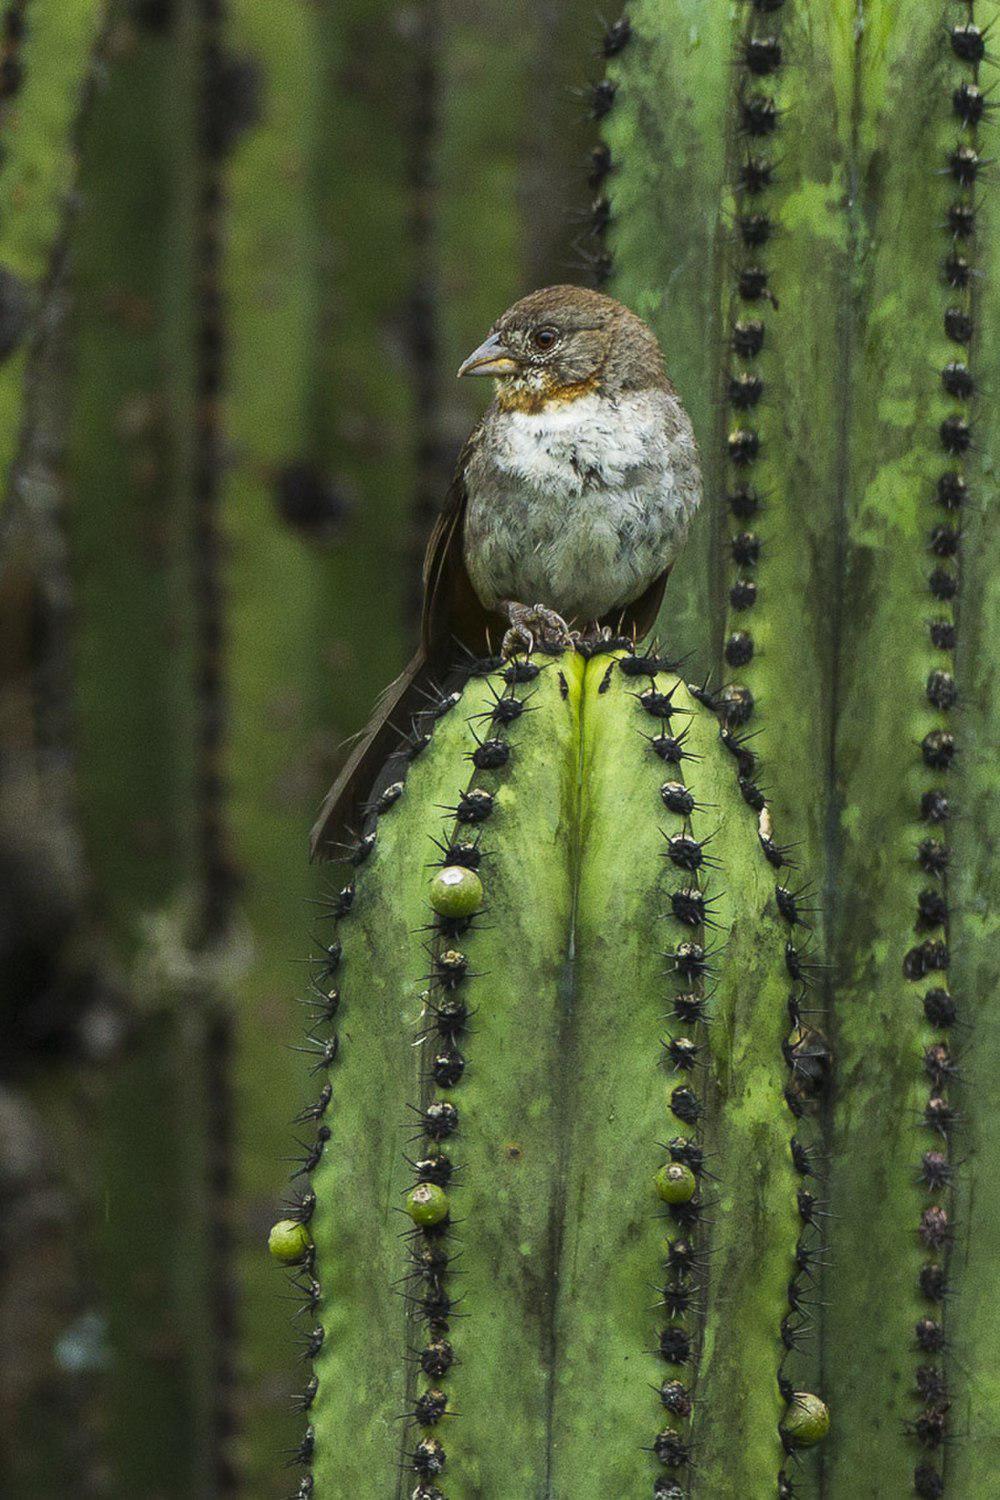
{"x": 244, "y": 245}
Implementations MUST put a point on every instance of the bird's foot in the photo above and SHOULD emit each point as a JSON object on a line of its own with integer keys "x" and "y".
{"x": 531, "y": 626}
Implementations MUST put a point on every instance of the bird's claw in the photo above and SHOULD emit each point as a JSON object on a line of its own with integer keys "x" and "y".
{"x": 534, "y": 625}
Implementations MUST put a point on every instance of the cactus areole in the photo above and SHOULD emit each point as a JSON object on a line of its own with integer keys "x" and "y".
{"x": 563, "y": 1115}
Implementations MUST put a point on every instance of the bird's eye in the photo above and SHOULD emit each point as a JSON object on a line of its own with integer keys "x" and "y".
{"x": 545, "y": 338}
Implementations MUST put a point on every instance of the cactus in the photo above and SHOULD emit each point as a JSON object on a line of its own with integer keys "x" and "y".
{"x": 859, "y": 135}
{"x": 744, "y": 158}
{"x": 246, "y": 358}
{"x": 571, "y": 1059}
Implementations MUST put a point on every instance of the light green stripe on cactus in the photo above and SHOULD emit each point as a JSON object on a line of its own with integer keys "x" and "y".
{"x": 127, "y": 465}
{"x": 279, "y": 587}
{"x": 747, "y": 1137}
{"x": 355, "y": 376}
{"x": 564, "y": 1115}
{"x": 667, "y": 133}
{"x": 39, "y": 165}
{"x": 885, "y": 657}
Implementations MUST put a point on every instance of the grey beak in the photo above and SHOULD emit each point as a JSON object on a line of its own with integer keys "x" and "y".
{"x": 491, "y": 358}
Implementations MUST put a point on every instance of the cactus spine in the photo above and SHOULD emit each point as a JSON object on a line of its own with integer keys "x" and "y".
{"x": 544, "y": 1098}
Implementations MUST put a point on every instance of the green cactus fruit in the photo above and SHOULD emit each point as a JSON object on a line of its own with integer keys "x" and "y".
{"x": 427, "y": 1204}
{"x": 456, "y": 891}
{"x": 807, "y": 1420}
{"x": 289, "y": 1242}
{"x": 539, "y": 1047}
{"x": 676, "y": 1183}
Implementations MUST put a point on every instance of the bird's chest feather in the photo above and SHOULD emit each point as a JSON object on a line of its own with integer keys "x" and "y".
{"x": 577, "y": 507}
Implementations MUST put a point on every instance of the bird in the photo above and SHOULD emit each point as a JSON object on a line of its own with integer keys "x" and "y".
{"x": 571, "y": 500}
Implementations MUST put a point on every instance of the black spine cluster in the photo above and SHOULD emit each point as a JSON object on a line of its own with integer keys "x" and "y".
{"x": 759, "y": 62}
{"x": 430, "y": 1280}
{"x": 926, "y": 960}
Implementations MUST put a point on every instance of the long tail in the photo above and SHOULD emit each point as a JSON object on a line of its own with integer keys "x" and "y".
{"x": 402, "y": 699}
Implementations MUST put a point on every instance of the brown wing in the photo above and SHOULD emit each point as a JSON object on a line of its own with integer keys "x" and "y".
{"x": 638, "y": 618}
{"x": 342, "y": 811}
{"x": 451, "y": 614}
{"x": 451, "y": 610}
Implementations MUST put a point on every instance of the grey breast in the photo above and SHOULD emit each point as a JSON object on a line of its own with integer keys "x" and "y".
{"x": 581, "y": 515}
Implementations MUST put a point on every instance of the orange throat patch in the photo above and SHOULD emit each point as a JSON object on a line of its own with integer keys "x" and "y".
{"x": 517, "y": 395}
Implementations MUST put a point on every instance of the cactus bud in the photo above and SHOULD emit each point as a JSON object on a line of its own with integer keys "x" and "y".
{"x": 456, "y": 892}
{"x": 289, "y": 1242}
{"x": 427, "y": 1204}
{"x": 806, "y": 1421}
{"x": 676, "y": 1183}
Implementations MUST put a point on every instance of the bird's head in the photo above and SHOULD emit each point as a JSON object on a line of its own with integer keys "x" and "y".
{"x": 564, "y": 342}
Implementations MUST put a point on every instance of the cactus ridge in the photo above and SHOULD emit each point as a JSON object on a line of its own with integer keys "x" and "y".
{"x": 595, "y": 255}
{"x": 322, "y": 1043}
{"x": 446, "y": 1014}
{"x": 760, "y": 62}
{"x": 929, "y": 956}
{"x": 807, "y": 1058}
{"x": 429, "y": 1256}
{"x": 683, "y": 1272}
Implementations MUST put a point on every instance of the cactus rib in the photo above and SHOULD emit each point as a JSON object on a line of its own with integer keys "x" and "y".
{"x": 965, "y": 107}
{"x": 758, "y": 108}
{"x": 971, "y": 1461}
{"x": 893, "y": 748}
